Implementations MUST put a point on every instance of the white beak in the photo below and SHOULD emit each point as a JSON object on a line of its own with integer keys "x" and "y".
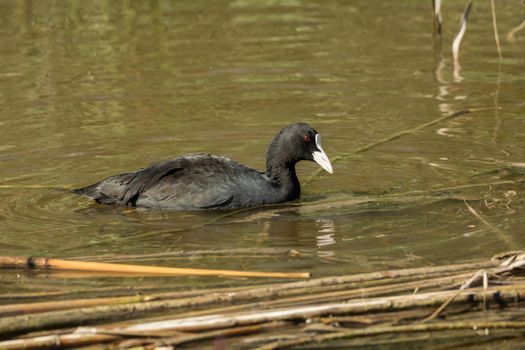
{"x": 320, "y": 157}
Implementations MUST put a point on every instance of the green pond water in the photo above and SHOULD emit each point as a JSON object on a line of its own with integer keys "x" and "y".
{"x": 95, "y": 88}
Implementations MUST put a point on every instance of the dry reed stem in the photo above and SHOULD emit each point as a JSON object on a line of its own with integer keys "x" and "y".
{"x": 438, "y": 19}
{"x": 87, "y": 335}
{"x": 361, "y": 288}
{"x": 317, "y": 295}
{"x": 441, "y": 282}
{"x": 461, "y": 32}
{"x": 56, "y": 341}
{"x": 506, "y": 263}
{"x": 310, "y": 290}
{"x": 495, "y": 26}
{"x": 392, "y": 303}
{"x": 456, "y": 43}
{"x": 30, "y": 308}
{"x": 358, "y": 290}
{"x": 377, "y": 318}
{"x": 437, "y": 29}
{"x": 441, "y": 326}
{"x": 465, "y": 285}
{"x": 513, "y": 261}
{"x": 171, "y": 341}
{"x": 83, "y": 339}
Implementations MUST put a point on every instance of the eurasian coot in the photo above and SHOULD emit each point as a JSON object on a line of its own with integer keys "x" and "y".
{"x": 205, "y": 181}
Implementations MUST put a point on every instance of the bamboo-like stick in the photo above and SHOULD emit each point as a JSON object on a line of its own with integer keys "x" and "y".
{"x": 44, "y": 263}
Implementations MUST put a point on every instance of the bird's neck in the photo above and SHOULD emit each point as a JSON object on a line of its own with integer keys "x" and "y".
{"x": 282, "y": 173}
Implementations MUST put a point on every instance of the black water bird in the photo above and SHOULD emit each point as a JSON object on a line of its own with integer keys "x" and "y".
{"x": 205, "y": 181}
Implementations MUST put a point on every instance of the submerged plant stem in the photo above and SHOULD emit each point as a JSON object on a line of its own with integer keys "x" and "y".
{"x": 495, "y": 26}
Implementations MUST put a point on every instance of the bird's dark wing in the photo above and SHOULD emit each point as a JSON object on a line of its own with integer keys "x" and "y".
{"x": 125, "y": 189}
{"x": 146, "y": 178}
{"x": 200, "y": 182}
{"x": 195, "y": 181}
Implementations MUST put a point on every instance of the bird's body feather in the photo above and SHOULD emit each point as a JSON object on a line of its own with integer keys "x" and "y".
{"x": 205, "y": 181}
{"x": 190, "y": 182}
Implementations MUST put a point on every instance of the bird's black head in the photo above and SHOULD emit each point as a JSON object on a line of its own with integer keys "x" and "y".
{"x": 294, "y": 143}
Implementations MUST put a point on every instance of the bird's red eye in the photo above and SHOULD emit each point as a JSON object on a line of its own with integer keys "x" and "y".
{"x": 306, "y": 138}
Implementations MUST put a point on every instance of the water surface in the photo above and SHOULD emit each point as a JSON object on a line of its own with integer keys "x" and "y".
{"x": 91, "y": 89}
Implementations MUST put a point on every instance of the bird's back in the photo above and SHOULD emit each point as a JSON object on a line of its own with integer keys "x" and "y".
{"x": 195, "y": 181}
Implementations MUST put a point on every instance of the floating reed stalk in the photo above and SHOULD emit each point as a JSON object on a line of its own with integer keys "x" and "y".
{"x": 394, "y": 303}
{"x": 49, "y": 263}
